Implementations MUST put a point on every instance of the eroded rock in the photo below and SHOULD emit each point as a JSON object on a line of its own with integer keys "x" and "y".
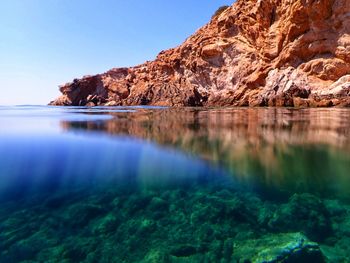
{"x": 254, "y": 53}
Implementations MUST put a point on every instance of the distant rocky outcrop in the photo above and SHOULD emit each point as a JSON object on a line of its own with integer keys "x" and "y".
{"x": 254, "y": 53}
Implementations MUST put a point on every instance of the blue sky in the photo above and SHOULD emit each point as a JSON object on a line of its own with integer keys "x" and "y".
{"x": 44, "y": 43}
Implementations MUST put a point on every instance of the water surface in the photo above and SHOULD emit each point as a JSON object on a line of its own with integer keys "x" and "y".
{"x": 150, "y": 184}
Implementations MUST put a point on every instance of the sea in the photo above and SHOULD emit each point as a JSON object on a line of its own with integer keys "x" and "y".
{"x": 157, "y": 184}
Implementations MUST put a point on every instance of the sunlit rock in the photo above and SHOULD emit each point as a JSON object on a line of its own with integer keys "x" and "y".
{"x": 254, "y": 53}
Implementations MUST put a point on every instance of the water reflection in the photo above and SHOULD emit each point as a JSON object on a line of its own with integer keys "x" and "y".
{"x": 290, "y": 150}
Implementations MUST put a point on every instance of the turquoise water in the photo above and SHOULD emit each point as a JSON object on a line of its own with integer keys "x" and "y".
{"x": 150, "y": 184}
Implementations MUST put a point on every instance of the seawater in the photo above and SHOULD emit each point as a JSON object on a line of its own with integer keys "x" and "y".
{"x": 152, "y": 184}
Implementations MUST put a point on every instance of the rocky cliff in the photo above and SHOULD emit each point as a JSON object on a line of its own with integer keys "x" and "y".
{"x": 253, "y": 53}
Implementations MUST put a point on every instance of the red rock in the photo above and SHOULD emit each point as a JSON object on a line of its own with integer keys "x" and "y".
{"x": 301, "y": 103}
{"x": 256, "y": 53}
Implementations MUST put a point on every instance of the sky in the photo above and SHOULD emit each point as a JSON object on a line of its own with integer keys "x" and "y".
{"x": 45, "y": 43}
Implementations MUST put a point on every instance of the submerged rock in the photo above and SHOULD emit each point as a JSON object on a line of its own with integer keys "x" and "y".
{"x": 81, "y": 214}
{"x": 191, "y": 224}
{"x": 303, "y": 212}
{"x": 183, "y": 251}
{"x": 256, "y": 53}
{"x": 291, "y": 247}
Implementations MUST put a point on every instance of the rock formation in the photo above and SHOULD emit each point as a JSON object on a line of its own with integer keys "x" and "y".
{"x": 254, "y": 53}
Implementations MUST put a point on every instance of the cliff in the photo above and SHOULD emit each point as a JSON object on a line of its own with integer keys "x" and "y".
{"x": 253, "y": 53}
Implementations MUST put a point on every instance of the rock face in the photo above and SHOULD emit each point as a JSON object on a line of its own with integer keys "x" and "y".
{"x": 254, "y": 53}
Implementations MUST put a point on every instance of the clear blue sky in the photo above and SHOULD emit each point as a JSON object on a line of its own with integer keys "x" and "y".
{"x": 44, "y": 43}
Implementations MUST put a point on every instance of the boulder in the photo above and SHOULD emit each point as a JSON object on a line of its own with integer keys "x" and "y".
{"x": 279, "y": 248}
{"x": 305, "y": 213}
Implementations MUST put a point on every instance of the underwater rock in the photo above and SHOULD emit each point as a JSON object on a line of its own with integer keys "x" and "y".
{"x": 336, "y": 254}
{"x": 279, "y": 248}
{"x": 303, "y": 212}
{"x": 134, "y": 204}
{"x": 217, "y": 208}
{"x": 158, "y": 204}
{"x": 155, "y": 256}
{"x": 183, "y": 251}
{"x": 81, "y": 214}
{"x": 106, "y": 225}
{"x": 191, "y": 224}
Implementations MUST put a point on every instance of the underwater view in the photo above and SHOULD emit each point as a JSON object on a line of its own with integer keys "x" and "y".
{"x": 153, "y": 184}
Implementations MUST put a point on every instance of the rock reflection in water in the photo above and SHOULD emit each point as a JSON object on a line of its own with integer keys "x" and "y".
{"x": 285, "y": 149}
